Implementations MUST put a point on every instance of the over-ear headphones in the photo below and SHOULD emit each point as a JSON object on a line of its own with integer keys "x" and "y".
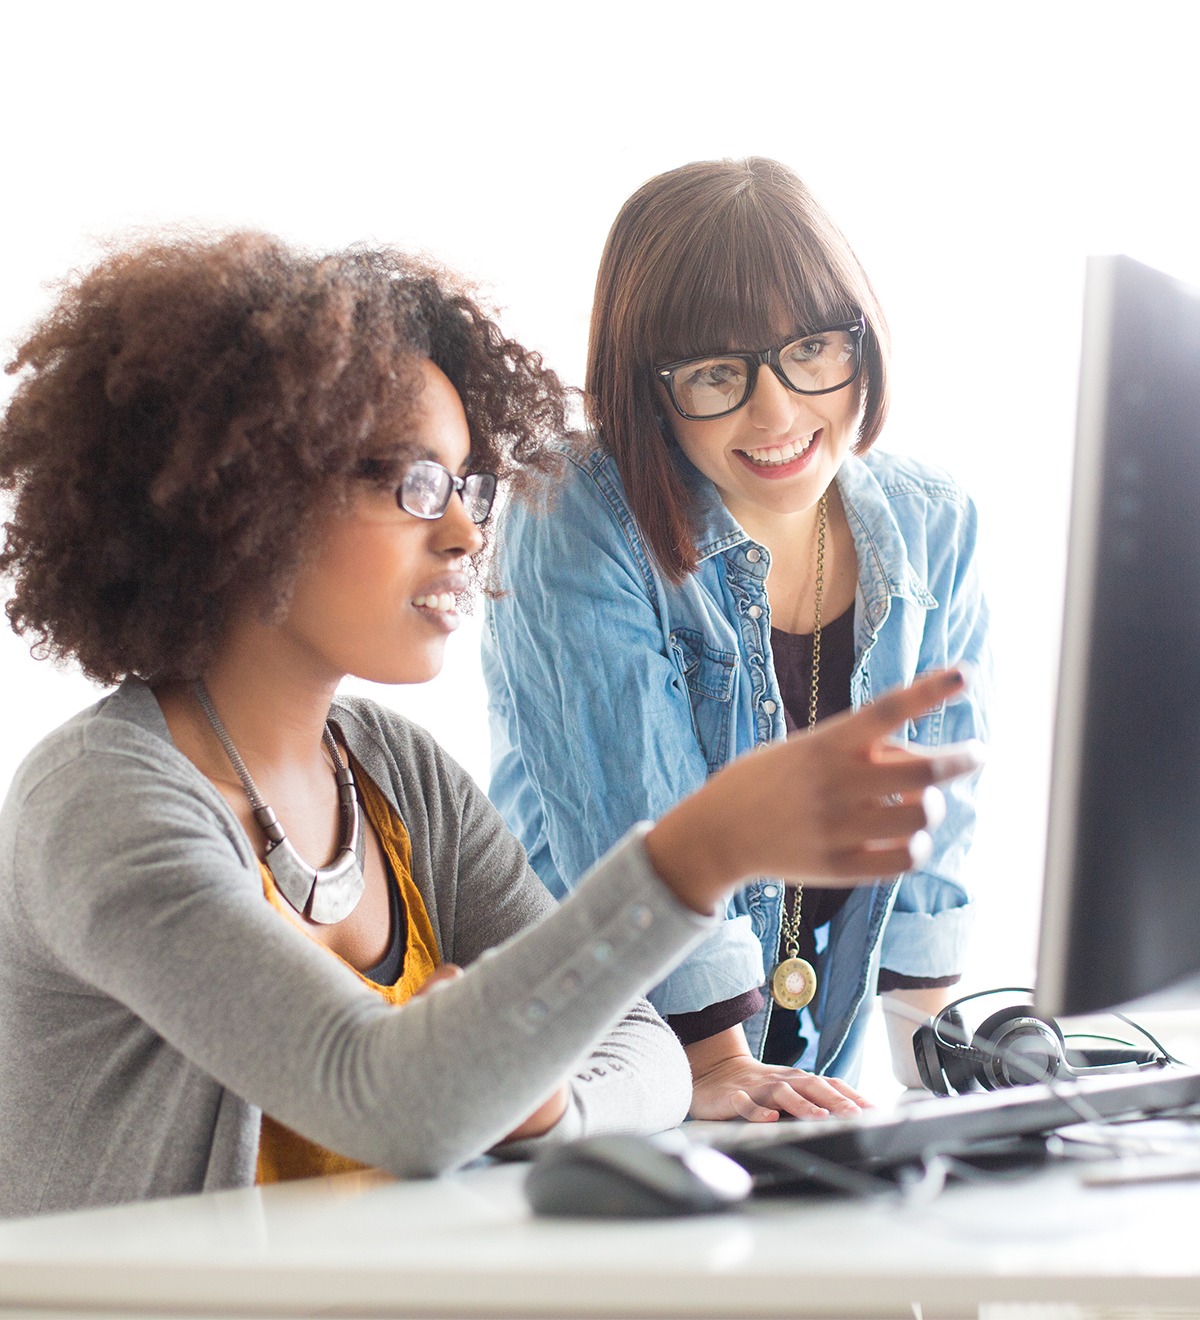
{"x": 1014, "y": 1046}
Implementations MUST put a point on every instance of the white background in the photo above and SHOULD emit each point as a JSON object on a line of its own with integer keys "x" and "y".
{"x": 973, "y": 153}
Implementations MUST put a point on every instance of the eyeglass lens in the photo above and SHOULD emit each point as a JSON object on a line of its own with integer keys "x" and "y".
{"x": 427, "y": 487}
{"x": 709, "y": 387}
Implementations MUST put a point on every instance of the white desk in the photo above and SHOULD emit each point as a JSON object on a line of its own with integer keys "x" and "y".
{"x": 467, "y": 1246}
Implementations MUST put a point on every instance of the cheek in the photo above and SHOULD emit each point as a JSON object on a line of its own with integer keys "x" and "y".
{"x": 702, "y": 442}
{"x": 363, "y": 562}
{"x": 845, "y": 417}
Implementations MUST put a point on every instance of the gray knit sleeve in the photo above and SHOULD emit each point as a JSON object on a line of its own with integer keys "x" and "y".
{"x": 136, "y": 887}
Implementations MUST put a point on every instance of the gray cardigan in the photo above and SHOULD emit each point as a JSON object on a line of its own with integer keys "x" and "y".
{"x": 152, "y": 1004}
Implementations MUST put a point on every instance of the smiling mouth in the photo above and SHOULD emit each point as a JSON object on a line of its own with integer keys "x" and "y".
{"x": 442, "y": 602}
{"x": 778, "y": 455}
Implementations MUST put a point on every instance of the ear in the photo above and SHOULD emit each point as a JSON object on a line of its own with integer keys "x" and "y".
{"x": 662, "y": 421}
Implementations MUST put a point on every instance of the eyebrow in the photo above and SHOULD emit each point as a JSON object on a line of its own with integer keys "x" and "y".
{"x": 409, "y": 451}
{"x": 406, "y": 452}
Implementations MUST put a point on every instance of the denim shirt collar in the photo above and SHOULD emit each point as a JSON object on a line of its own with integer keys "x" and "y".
{"x": 883, "y": 563}
{"x": 884, "y": 568}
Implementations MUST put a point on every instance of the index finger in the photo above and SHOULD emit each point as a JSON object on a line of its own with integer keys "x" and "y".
{"x": 880, "y": 717}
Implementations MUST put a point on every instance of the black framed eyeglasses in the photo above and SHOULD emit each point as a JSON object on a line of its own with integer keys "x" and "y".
{"x": 426, "y": 488}
{"x": 818, "y": 363}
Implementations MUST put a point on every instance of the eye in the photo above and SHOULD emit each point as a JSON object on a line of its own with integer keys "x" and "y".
{"x": 719, "y": 375}
{"x": 807, "y": 350}
{"x": 381, "y": 472}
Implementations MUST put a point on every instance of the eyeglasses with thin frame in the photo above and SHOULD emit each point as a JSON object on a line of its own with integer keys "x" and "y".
{"x": 701, "y": 388}
{"x": 426, "y": 488}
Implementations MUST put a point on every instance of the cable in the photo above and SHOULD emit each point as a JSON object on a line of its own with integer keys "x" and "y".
{"x": 1162, "y": 1049}
{"x": 787, "y": 1163}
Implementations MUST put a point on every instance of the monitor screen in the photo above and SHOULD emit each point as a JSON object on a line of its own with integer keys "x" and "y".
{"x": 1121, "y": 903}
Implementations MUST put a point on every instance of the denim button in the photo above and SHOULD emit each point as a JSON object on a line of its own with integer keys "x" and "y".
{"x": 769, "y": 706}
{"x": 754, "y": 554}
{"x": 755, "y": 611}
{"x": 770, "y": 891}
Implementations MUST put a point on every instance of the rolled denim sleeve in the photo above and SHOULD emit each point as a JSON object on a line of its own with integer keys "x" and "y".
{"x": 930, "y": 925}
{"x": 591, "y": 722}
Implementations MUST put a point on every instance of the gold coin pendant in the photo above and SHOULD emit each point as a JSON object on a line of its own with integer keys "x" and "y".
{"x": 793, "y": 983}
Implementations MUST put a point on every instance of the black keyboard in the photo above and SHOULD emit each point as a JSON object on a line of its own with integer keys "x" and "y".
{"x": 953, "y": 1125}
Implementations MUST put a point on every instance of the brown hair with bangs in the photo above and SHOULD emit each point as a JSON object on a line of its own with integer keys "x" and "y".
{"x": 709, "y": 257}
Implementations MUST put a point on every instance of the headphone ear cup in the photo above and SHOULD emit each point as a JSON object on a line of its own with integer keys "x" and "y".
{"x": 928, "y": 1057}
{"x": 942, "y": 1050}
{"x": 1014, "y": 1047}
{"x": 958, "y": 1060}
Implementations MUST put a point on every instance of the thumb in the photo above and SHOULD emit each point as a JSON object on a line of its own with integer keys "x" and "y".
{"x": 440, "y": 975}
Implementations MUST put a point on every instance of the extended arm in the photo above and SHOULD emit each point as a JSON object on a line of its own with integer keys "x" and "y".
{"x": 137, "y": 886}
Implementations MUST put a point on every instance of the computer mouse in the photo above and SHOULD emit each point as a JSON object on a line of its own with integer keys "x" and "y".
{"x": 628, "y": 1177}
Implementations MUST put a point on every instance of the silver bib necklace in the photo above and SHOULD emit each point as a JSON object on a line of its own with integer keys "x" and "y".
{"x": 324, "y": 894}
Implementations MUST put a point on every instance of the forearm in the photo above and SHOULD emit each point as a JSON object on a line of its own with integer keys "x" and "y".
{"x": 712, "y": 1050}
{"x": 636, "y": 1080}
{"x": 505, "y": 1035}
{"x": 687, "y": 850}
{"x": 903, "y": 1012}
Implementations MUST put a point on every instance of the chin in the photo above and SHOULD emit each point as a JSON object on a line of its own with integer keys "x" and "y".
{"x": 401, "y": 668}
{"x": 416, "y": 669}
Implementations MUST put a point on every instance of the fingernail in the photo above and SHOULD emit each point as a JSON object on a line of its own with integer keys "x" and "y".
{"x": 934, "y": 802}
{"x": 972, "y": 752}
{"x": 967, "y": 673}
{"x": 920, "y": 848}
{"x": 954, "y": 759}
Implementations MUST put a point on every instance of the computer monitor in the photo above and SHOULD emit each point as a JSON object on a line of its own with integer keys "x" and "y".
{"x": 1121, "y": 904}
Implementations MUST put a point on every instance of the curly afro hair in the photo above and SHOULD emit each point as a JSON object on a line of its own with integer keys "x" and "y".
{"x": 191, "y": 407}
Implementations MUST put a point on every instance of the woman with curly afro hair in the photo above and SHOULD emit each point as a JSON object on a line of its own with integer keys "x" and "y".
{"x": 240, "y": 473}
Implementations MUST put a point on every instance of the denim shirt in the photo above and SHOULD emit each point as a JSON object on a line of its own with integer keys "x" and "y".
{"x": 613, "y": 693}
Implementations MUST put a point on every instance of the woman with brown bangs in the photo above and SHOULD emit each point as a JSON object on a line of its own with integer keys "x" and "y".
{"x": 240, "y": 473}
{"x": 729, "y": 560}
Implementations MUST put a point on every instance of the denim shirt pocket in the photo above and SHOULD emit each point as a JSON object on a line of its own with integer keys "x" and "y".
{"x": 710, "y": 675}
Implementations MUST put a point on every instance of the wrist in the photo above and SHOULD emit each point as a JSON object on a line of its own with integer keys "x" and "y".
{"x": 543, "y": 1118}
{"x": 903, "y": 1012}
{"x": 686, "y": 853}
{"x": 713, "y": 1050}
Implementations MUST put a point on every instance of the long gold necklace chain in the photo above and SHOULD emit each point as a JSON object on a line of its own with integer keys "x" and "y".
{"x": 794, "y": 980}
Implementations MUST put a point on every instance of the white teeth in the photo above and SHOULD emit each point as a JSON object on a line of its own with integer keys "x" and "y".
{"x": 443, "y": 601}
{"x": 776, "y": 455}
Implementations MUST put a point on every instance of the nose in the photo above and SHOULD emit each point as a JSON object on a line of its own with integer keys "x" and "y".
{"x": 455, "y": 533}
{"x": 775, "y": 409}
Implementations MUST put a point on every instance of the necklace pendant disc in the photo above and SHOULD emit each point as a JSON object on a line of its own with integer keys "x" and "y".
{"x": 793, "y": 983}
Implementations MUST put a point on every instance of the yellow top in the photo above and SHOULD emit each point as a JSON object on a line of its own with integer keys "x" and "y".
{"x": 282, "y": 1153}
